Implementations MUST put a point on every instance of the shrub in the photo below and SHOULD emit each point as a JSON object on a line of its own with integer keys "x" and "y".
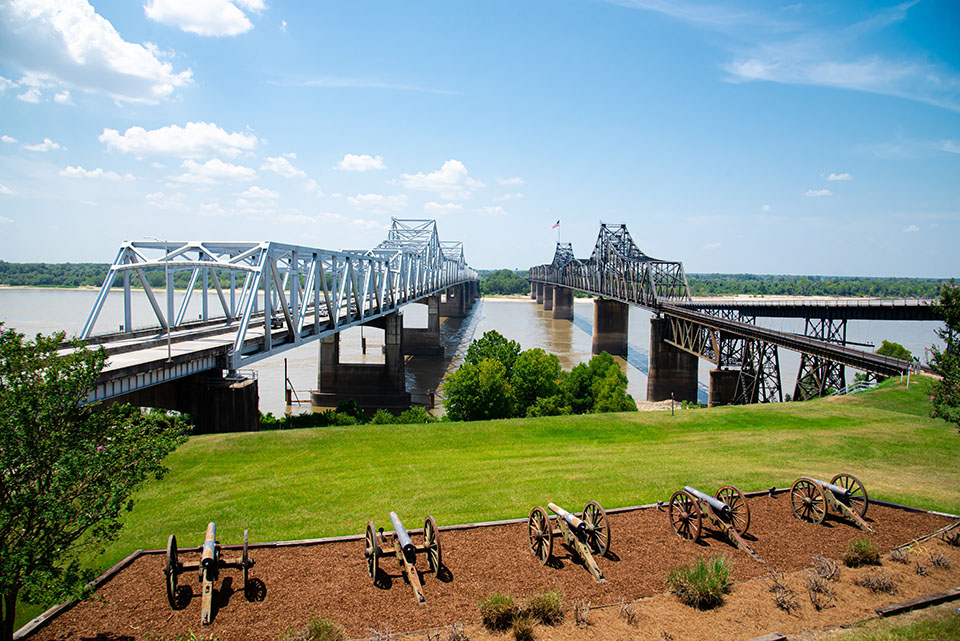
{"x": 939, "y": 561}
{"x": 825, "y": 568}
{"x": 383, "y": 417}
{"x": 900, "y": 555}
{"x": 628, "y": 613}
{"x": 350, "y": 407}
{"x": 550, "y": 406}
{"x": 522, "y": 628}
{"x": 545, "y": 607}
{"x": 820, "y": 592}
{"x": 861, "y": 552}
{"x": 783, "y": 594}
{"x": 415, "y": 416}
{"x": 581, "y": 612}
{"x": 335, "y": 418}
{"x": 316, "y": 630}
{"x": 498, "y": 610}
{"x": 701, "y": 584}
{"x": 878, "y": 581}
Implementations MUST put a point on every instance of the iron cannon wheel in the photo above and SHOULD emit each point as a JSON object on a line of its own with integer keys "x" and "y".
{"x": 541, "y": 534}
{"x": 598, "y": 527}
{"x": 171, "y": 570}
{"x": 245, "y": 561}
{"x": 808, "y": 501}
{"x": 858, "y": 493}
{"x": 739, "y": 511}
{"x": 432, "y": 541}
{"x": 371, "y": 551}
{"x": 685, "y": 515}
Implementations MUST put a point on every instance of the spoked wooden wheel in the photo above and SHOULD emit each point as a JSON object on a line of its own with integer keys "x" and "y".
{"x": 245, "y": 561}
{"x": 170, "y": 570}
{"x": 808, "y": 501}
{"x": 598, "y": 527}
{"x": 541, "y": 534}
{"x": 371, "y": 551}
{"x": 432, "y": 542}
{"x": 739, "y": 511}
{"x": 685, "y": 516}
{"x": 858, "y": 494}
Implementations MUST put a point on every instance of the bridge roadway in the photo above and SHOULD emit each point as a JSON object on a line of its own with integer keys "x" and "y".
{"x": 914, "y": 309}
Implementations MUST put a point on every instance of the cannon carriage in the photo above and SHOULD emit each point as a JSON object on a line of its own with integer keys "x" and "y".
{"x": 587, "y": 534}
{"x": 727, "y": 511}
{"x": 403, "y": 548}
{"x": 812, "y": 498}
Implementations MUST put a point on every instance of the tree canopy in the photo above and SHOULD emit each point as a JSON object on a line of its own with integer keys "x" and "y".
{"x": 945, "y": 401}
{"x": 895, "y": 350}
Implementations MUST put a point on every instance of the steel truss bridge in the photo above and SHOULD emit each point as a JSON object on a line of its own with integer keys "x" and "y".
{"x": 259, "y": 298}
{"x": 725, "y": 332}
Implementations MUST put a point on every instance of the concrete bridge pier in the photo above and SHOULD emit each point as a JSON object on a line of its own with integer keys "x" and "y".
{"x": 374, "y": 386}
{"x": 671, "y": 369}
{"x": 533, "y": 290}
{"x": 456, "y": 302}
{"x": 425, "y": 342}
{"x": 563, "y": 303}
{"x": 610, "y": 319}
{"x": 539, "y": 293}
{"x": 548, "y": 297}
{"x": 723, "y": 387}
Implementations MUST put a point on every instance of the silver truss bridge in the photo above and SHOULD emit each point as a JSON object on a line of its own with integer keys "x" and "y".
{"x": 259, "y": 298}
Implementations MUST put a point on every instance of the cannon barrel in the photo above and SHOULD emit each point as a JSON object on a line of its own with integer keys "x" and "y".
{"x": 409, "y": 549}
{"x": 574, "y": 522}
{"x": 836, "y": 489}
{"x": 716, "y": 504}
{"x": 208, "y": 556}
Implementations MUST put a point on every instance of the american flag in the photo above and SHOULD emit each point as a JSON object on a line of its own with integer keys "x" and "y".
{"x": 555, "y": 225}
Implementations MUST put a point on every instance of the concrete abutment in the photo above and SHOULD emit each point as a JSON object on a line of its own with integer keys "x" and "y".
{"x": 723, "y": 387}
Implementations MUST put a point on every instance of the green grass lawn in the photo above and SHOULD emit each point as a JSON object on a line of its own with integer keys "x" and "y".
{"x": 330, "y": 481}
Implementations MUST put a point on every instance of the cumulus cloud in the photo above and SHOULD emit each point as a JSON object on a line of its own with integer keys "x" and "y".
{"x": 6, "y": 191}
{"x": 444, "y": 208}
{"x": 66, "y": 42}
{"x": 6, "y": 83}
{"x": 814, "y": 193}
{"x": 80, "y": 172}
{"x": 282, "y": 166}
{"x": 8, "y": 139}
{"x": 31, "y": 95}
{"x": 213, "y": 171}
{"x": 378, "y": 203}
{"x": 204, "y": 17}
{"x": 63, "y": 98}
{"x": 312, "y": 186}
{"x": 194, "y": 140}
{"x": 911, "y": 228}
{"x": 450, "y": 181}
{"x": 260, "y": 192}
{"x": 363, "y": 162}
{"x": 496, "y": 210}
{"x": 46, "y": 145}
{"x": 842, "y": 176}
{"x": 516, "y": 180}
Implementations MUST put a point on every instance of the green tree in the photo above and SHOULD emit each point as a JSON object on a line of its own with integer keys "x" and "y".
{"x": 495, "y": 346}
{"x": 945, "y": 400}
{"x": 477, "y": 392}
{"x": 894, "y": 350}
{"x": 610, "y": 393}
{"x": 535, "y": 375}
{"x": 67, "y": 469}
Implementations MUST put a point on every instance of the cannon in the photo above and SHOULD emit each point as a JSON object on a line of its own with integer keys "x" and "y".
{"x": 587, "y": 534}
{"x": 405, "y": 551}
{"x": 208, "y": 569}
{"x": 811, "y": 499}
{"x": 727, "y": 512}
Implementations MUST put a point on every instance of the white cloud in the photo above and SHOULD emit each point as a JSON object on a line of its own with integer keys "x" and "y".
{"x": 5, "y": 221}
{"x": 175, "y": 202}
{"x": 204, "y": 17}
{"x": 6, "y": 83}
{"x": 194, "y": 140}
{"x": 516, "y": 180}
{"x": 813, "y": 193}
{"x": 312, "y": 186}
{"x": 444, "y": 208}
{"x": 911, "y": 229}
{"x": 31, "y": 95}
{"x": 6, "y": 191}
{"x": 363, "y": 162}
{"x": 8, "y": 139}
{"x": 80, "y": 172}
{"x": 283, "y": 26}
{"x": 67, "y": 42}
{"x": 951, "y": 147}
{"x": 504, "y": 197}
{"x": 63, "y": 98}
{"x": 212, "y": 209}
{"x": 450, "y": 181}
{"x": 841, "y": 176}
{"x": 46, "y": 145}
{"x": 378, "y": 203}
{"x": 766, "y": 208}
{"x": 491, "y": 211}
{"x": 260, "y": 192}
{"x": 213, "y": 171}
{"x": 282, "y": 166}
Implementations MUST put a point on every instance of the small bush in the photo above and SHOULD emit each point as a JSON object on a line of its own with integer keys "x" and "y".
{"x": 383, "y": 417}
{"x": 825, "y": 568}
{"x": 937, "y": 560}
{"x": 921, "y": 569}
{"x": 315, "y": 630}
{"x": 628, "y": 613}
{"x": 457, "y": 633}
{"x": 415, "y": 416}
{"x": 878, "y": 581}
{"x": 545, "y": 607}
{"x": 523, "y": 628}
{"x": 701, "y": 584}
{"x": 783, "y": 594}
{"x": 350, "y": 407}
{"x": 952, "y": 537}
{"x": 819, "y": 591}
{"x": 900, "y": 555}
{"x": 861, "y": 552}
{"x": 498, "y": 610}
{"x": 581, "y": 612}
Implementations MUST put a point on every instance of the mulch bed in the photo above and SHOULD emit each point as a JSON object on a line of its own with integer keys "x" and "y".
{"x": 330, "y": 580}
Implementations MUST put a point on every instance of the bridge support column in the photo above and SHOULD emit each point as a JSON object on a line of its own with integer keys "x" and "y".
{"x": 548, "y": 297}
{"x": 671, "y": 369}
{"x": 563, "y": 303}
{"x": 610, "y": 318}
{"x": 533, "y": 290}
{"x": 425, "y": 342}
{"x": 723, "y": 387}
{"x": 374, "y": 386}
{"x": 456, "y": 304}
{"x": 539, "y": 293}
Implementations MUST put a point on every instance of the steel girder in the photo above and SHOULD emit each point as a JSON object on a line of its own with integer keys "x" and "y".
{"x": 817, "y": 375}
{"x": 314, "y": 291}
{"x": 759, "y": 380}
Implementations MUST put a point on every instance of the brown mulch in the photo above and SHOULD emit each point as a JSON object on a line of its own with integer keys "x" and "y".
{"x": 330, "y": 580}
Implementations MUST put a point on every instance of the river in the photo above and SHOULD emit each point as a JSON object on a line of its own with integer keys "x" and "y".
{"x": 48, "y": 310}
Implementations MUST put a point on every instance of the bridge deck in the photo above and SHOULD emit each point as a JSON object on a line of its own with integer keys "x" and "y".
{"x": 913, "y": 309}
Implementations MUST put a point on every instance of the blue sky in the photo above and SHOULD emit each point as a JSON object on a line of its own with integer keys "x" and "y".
{"x": 766, "y": 137}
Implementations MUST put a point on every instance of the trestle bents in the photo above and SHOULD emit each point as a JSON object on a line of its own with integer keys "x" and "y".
{"x": 587, "y": 535}
{"x": 400, "y": 544}
{"x": 817, "y": 376}
{"x": 727, "y": 512}
{"x": 812, "y": 498}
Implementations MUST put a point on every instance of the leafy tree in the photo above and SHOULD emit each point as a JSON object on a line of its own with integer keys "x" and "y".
{"x": 550, "y": 406}
{"x": 350, "y": 407}
{"x": 610, "y": 393}
{"x": 504, "y": 282}
{"x": 945, "y": 399}
{"x": 479, "y": 391}
{"x": 383, "y": 417}
{"x": 67, "y": 469}
{"x": 894, "y": 350}
{"x": 535, "y": 375}
{"x": 495, "y": 346}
